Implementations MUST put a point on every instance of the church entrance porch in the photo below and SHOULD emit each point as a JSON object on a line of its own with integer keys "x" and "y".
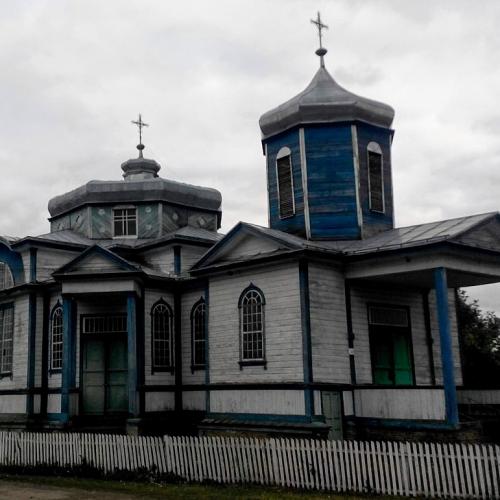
{"x": 104, "y": 388}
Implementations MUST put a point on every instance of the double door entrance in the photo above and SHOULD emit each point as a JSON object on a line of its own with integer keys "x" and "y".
{"x": 104, "y": 365}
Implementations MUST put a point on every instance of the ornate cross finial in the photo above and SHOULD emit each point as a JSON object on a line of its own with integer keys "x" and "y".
{"x": 140, "y": 124}
{"x": 321, "y": 51}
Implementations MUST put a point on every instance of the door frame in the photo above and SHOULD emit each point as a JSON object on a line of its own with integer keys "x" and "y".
{"x": 97, "y": 335}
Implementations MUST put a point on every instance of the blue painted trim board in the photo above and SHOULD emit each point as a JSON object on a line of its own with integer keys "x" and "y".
{"x": 262, "y": 417}
{"x": 32, "y": 301}
{"x": 132, "y": 353}
{"x": 394, "y": 423}
{"x": 33, "y": 262}
{"x": 450, "y": 390}
{"x": 306, "y": 336}
{"x": 207, "y": 347}
{"x": 69, "y": 354}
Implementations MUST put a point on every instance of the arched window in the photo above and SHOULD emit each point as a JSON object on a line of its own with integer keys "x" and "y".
{"x": 56, "y": 338}
{"x": 375, "y": 178}
{"x": 284, "y": 175}
{"x": 252, "y": 326}
{"x": 161, "y": 330}
{"x": 6, "y": 279}
{"x": 198, "y": 335}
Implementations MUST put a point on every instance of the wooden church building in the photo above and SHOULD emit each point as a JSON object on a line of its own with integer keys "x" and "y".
{"x": 135, "y": 312}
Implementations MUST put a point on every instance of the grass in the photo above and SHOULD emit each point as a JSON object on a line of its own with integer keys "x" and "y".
{"x": 165, "y": 491}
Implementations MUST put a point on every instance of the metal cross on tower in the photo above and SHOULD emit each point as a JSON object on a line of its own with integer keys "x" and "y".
{"x": 321, "y": 51}
{"x": 140, "y": 124}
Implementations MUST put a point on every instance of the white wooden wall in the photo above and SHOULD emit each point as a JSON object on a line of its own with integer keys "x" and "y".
{"x": 161, "y": 259}
{"x": 194, "y": 400}
{"x": 159, "y": 401}
{"x": 328, "y": 325}
{"x": 190, "y": 255}
{"x": 280, "y": 285}
{"x": 413, "y": 404}
{"x": 49, "y": 260}
{"x": 267, "y": 402}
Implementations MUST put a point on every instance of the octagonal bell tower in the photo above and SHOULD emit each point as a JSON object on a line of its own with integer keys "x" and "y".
{"x": 328, "y": 156}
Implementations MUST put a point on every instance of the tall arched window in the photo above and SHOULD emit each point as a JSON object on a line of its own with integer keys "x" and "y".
{"x": 6, "y": 280}
{"x": 198, "y": 335}
{"x": 252, "y": 326}
{"x": 284, "y": 175}
{"x": 161, "y": 331}
{"x": 375, "y": 178}
{"x": 56, "y": 338}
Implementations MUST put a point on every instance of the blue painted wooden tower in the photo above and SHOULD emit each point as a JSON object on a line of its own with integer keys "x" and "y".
{"x": 328, "y": 154}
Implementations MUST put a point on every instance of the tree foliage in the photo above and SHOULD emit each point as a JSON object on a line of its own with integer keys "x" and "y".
{"x": 480, "y": 343}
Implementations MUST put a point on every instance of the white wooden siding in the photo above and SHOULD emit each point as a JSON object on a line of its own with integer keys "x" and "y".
{"x": 348, "y": 402}
{"x": 328, "y": 325}
{"x": 479, "y": 396}
{"x": 161, "y": 259}
{"x": 412, "y": 404}
{"x": 50, "y": 259}
{"x": 54, "y": 403}
{"x": 150, "y": 297}
{"x": 188, "y": 300}
{"x": 283, "y": 333}
{"x": 268, "y": 402}
{"x": 159, "y": 401}
{"x": 193, "y": 400}
{"x": 190, "y": 255}
{"x": 13, "y": 403}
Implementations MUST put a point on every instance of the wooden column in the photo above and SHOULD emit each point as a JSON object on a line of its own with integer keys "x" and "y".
{"x": 69, "y": 356}
{"x": 450, "y": 390}
{"x": 133, "y": 400}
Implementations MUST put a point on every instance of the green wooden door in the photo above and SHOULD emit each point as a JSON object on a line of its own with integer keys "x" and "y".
{"x": 104, "y": 376}
{"x": 94, "y": 376}
{"x": 402, "y": 361}
{"x": 382, "y": 358}
{"x": 332, "y": 411}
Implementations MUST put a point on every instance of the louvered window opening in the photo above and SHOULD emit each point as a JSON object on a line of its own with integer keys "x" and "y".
{"x": 6, "y": 280}
{"x": 162, "y": 336}
{"x": 125, "y": 222}
{"x": 57, "y": 339}
{"x": 388, "y": 316}
{"x": 376, "y": 181}
{"x": 285, "y": 187}
{"x": 198, "y": 325}
{"x": 252, "y": 325}
{"x": 6, "y": 339}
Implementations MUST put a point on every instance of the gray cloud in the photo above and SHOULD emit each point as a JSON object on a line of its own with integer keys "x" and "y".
{"x": 75, "y": 73}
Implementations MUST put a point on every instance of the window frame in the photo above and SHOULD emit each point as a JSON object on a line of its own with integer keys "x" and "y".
{"x": 55, "y": 309}
{"x": 3, "y": 308}
{"x": 252, "y": 361}
{"x": 408, "y": 333}
{"x": 374, "y": 148}
{"x": 124, "y": 221}
{"x": 170, "y": 366}
{"x": 285, "y": 152}
{"x": 194, "y": 364}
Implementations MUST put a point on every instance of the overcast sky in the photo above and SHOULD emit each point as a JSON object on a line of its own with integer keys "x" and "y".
{"x": 75, "y": 73}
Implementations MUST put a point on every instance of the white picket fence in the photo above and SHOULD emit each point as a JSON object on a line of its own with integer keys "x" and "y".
{"x": 394, "y": 468}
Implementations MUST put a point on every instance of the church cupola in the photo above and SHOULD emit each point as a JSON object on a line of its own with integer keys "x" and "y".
{"x": 328, "y": 154}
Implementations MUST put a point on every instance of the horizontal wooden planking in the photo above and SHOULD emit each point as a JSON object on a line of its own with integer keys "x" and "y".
{"x": 54, "y": 403}
{"x": 268, "y": 402}
{"x": 422, "y": 404}
{"x": 161, "y": 259}
{"x": 328, "y": 325}
{"x": 159, "y": 401}
{"x": 479, "y": 396}
{"x": 283, "y": 334}
{"x": 51, "y": 259}
{"x": 193, "y": 400}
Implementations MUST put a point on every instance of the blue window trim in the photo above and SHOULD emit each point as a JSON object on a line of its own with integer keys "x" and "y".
{"x": 170, "y": 367}
{"x": 198, "y": 366}
{"x": 252, "y": 362}
{"x": 53, "y": 371}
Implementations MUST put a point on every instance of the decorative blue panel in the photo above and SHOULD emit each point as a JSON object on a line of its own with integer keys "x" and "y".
{"x": 331, "y": 182}
{"x": 374, "y": 222}
{"x": 294, "y": 224}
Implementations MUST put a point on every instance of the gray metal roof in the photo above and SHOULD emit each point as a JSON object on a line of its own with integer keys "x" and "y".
{"x": 143, "y": 190}
{"x": 324, "y": 101}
